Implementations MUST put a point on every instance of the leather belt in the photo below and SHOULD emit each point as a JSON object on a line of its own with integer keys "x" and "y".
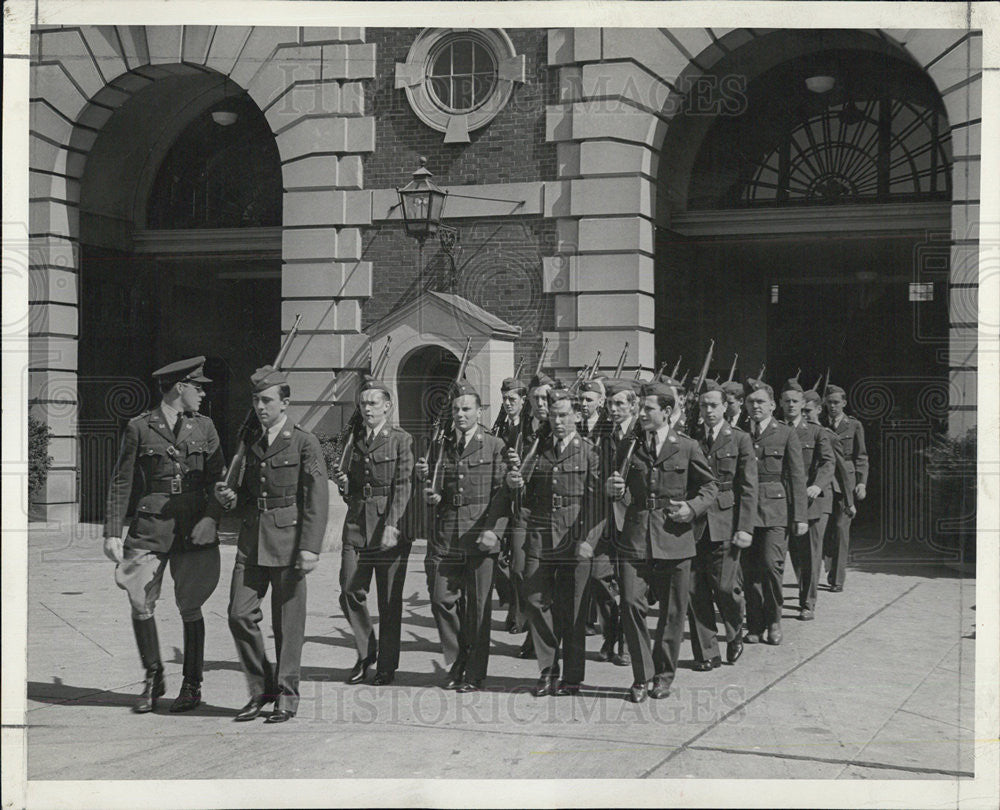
{"x": 563, "y": 501}
{"x": 265, "y": 504}
{"x": 768, "y": 479}
{"x": 175, "y": 486}
{"x": 369, "y": 491}
{"x": 725, "y": 486}
{"x": 658, "y": 502}
{"x": 457, "y": 499}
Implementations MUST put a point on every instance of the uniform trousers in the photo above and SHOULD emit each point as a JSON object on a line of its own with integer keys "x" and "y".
{"x": 556, "y": 594}
{"x": 670, "y": 582}
{"x": 715, "y": 580}
{"x": 389, "y": 568}
{"x": 837, "y": 543}
{"x": 806, "y": 552}
{"x": 518, "y": 610}
{"x": 195, "y": 574}
{"x": 461, "y": 587}
{"x": 288, "y": 621}
{"x": 764, "y": 571}
{"x": 603, "y": 594}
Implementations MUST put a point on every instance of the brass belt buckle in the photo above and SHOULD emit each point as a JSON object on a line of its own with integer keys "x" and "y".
{"x": 557, "y": 502}
{"x": 175, "y": 486}
{"x": 366, "y": 491}
{"x": 456, "y": 499}
{"x": 262, "y": 504}
{"x": 651, "y": 502}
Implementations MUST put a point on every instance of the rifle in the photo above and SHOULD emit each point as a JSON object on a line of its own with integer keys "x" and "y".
{"x": 732, "y": 368}
{"x": 677, "y": 367}
{"x": 798, "y": 374}
{"x": 699, "y": 382}
{"x": 621, "y": 361}
{"x": 441, "y": 420}
{"x": 683, "y": 379}
{"x": 356, "y": 422}
{"x": 659, "y": 372}
{"x": 501, "y": 421}
{"x": 760, "y": 374}
{"x": 816, "y": 384}
{"x": 826, "y": 386}
{"x": 234, "y": 474}
{"x": 585, "y": 375}
{"x": 526, "y": 408}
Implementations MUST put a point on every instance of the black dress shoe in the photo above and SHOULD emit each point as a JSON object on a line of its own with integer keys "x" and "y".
{"x": 774, "y": 634}
{"x": 187, "y": 699}
{"x": 383, "y": 678}
{"x": 360, "y": 670}
{"x": 545, "y": 685}
{"x": 707, "y": 666}
{"x": 527, "y": 649}
{"x": 622, "y": 659}
{"x": 752, "y": 638}
{"x": 734, "y": 649}
{"x": 836, "y": 588}
{"x": 469, "y": 686}
{"x": 568, "y": 689}
{"x": 637, "y": 692}
{"x": 806, "y": 615}
{"x": 659, "y": 691}
{"x": 153, "y": 688}
{"x": 606, "y": 653}
{"x": 456, "y": 675}
{"x": 253, "y": 709}
{"x": 280, "y": 716}
{"x": 593, "y": 630}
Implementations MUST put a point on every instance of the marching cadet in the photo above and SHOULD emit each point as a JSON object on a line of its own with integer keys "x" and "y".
{"x": 842, "y": 483}
{"x": 736, "y": 416}
{"x": 534, "y": 426}
{"x": 283, "y": 500}
{"x": 817, "y": 456}
{"x": 176, "y": 452}
{"x": 596, "y": 427}
{"x": 561, "y": 501}
{"x": 668, "y": 485}
{"x": 471, "y": 516}
{"x": 781, "y": 509}
{"x": 513, "y": 393}
{"x": 377, "y": 489}
{"x": 727, "y": 529}
{"x": 851, "y": 435}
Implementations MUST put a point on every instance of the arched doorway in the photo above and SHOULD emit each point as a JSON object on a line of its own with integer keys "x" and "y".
{"x": 801, "y": 226}
{"x": 424, "y": 378}
{"x": 179, "y": 256}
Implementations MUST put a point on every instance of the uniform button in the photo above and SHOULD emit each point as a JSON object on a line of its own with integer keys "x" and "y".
{"x": 263, "y": 478}
{"x": 263, "y": 494}
{"x": 460, "y": 475}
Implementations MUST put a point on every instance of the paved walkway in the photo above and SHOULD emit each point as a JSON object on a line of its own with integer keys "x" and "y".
{"x": 880, "y": 686}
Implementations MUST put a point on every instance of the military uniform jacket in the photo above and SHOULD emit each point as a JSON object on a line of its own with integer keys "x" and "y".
{"x": 679, "y": 472}
{"x": 852, "y": 442}
{"x": 527, "y": 433}
{"x": 562, "y": 498}
{"x": 378, "y": 486}
{"x": 473, "y": 496}
{"x": 509, "y": 433}
{"x": 781, "y": 475}
{"x": 820, "y": 464}
{"x": 284, "y": 498}
{"x": 176, "y": 478}
{"x": 734, "y": 464}
{"x": 843, "y": 477}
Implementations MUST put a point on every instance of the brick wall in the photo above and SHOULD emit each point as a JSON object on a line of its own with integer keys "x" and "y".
{"x": 511, "y": 148}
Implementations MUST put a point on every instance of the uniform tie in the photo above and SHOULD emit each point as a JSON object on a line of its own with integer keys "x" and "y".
{"x": 461, "y": 443}
{"x": 264, "y": 443}
{"x": 178, "y": 424}
{"x": 652, "y": 444}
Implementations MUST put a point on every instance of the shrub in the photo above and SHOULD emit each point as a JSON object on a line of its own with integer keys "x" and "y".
{"x": 39, "y": 460}
{"x": 332, "y": 447}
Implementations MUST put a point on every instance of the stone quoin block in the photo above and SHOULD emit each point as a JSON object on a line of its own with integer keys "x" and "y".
{"x": 50, "y": 284}
{"x": 58, "y": 388}
{"x": 611, "y": 157}
{"x": 338, "y": 315}
{"x": 53, "y": 353}
{"x": 164, "y": 42}
{"x": 195, "y": 40}
{"x": 617, "y": 311}
{"x": 54, "y": 186}
{"x": 611, "y": 195}
{"x": 327, "y": 135}
{"x": 53, "y": 217}
{"x": 60, "y": 91}
{"x": 326, "y": 207}
{"x": 626, "y": 81}
{"x": 226, "y": 46}
{"x": 53, "y": 319}
{"x": 290, "y": 65}
{"x": 68, "y": 47}
{"x": 615, "y": 233}
{"x": 319, "y": 243}
{"x": 327, "y": 280}
{"x": 964, "y": 103}
{"x": 259, "y": 48}
{"x": 649, "y": 47}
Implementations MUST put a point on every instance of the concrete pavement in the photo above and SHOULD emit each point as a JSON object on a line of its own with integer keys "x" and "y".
{"x": 879, "y": 686}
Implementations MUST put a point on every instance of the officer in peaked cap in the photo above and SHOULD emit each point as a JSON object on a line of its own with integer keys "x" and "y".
{"x": 283, "y": 500}
{"x": 669, "y": 486}
{"x": 851, "y": 435}
{"x": 377, "y": 488}
{"x": 471, "y": 513}
{"x": 177, "y": 452}
{"x": 819, "y": 460}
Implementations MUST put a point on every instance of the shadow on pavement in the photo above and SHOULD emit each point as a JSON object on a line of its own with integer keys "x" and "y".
{"x": 62, "y": 694}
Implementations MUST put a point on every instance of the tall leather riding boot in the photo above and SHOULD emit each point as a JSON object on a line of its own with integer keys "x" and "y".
{"x": 194, "y": 660}
{"x": 149, "y": 653}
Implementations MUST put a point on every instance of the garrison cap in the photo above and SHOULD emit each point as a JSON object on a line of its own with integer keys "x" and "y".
{"x": 812, "y": 396}
{"x": 190, "y": 370}
{"x": 791, "y": 385}
{"x": 595, "y": 386}
{"x": 539, "y": 380}
{"x": 555, "y": 395}
{"x": 758, "y": 385}
{"x": 673, "y": 383}
{"x": 734, "y": 388}
{"x": 836, "y": 389}
{"x": 616, "y": 385}
{"x": 266, "y": 376}
{"x": 711, "y": 385}
{"x": 512, "y": 384}
{"x": 372, "y": 384}
{"x": 462, "y": 389}
{"x": 657, "y": 389}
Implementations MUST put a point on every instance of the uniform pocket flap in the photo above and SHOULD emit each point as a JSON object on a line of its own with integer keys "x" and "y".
{"x": 772, "y": 489}
{"x": 726, "y": 499}
{"x": 475, "y": 461}
{"x": 774, "y": 451}
{"x": 197, "y": 447}
{"x": 286, "y": 516}
{"x": 283, "y": 461}
{"x": 154, "y": 451}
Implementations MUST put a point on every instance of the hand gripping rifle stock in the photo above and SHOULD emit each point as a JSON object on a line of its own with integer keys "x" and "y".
{"x": 441, "y": 421}
{"x": 234, "y": 473}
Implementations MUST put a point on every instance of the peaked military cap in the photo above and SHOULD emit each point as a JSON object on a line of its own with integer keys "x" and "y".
{"x": 836, "y": 389}
{"x": 791, "y": 384}
{"x": 734, "y": 388}
{"x": 190, "y": 370}
{"x": 541, "y": 379}
{"x": 512, "y": 384}
{"x": 812, "y": 396}
{"x": 370, "y": 383}
{"x": 758, "y": 385}
{"x": 266, "y": 376}
{"x": 462, "y": 389}
{"x": 594, "y": 386}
